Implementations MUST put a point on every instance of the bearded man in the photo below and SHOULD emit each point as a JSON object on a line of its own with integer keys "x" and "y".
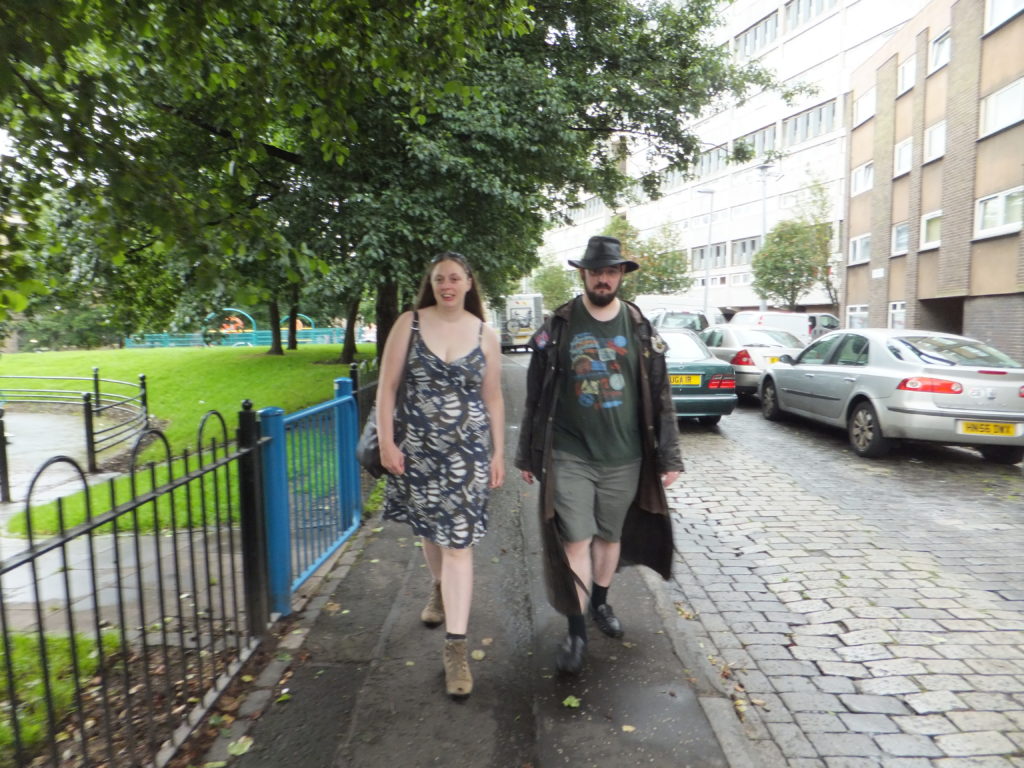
{"x": 599, "y": 432}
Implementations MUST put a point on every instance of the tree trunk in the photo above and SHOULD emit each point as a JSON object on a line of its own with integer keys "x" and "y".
{"x": 387, "y": 311}
{"x": 275, "y": 328}
{"x": 348, "y": 348}
{"x": 293, "y": 319}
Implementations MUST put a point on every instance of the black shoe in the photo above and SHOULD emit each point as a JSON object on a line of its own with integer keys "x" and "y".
{"x": 606, "y": 621}
{"x": 569, "y": 658}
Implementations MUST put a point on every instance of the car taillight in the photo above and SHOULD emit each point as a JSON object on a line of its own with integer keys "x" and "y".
{"x": 928, "y": 384}
{"x": 722, "y": 381}
{"x": 1020, "y": 392}
{"x": 742, "y": 358}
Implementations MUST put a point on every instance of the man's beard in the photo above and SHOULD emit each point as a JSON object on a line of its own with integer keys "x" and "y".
{"x": 601, "y": 299}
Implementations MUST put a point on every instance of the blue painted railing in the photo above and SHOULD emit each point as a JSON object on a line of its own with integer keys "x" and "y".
{"x": 241, "y": 339}
{"x": 311, "y": 488}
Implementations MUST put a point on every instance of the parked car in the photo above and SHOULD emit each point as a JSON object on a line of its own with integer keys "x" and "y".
{"x": 883, "y": 385}
{"x": 690, "y": 318}
{"x": 703, "y": 387}
{"x": 804, "y": 325}
{"x": 749, "y": 350}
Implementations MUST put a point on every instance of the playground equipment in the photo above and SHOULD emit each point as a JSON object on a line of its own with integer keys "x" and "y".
{"x": 235, "y": 327}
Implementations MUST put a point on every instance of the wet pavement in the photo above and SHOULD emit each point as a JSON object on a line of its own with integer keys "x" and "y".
{"x": 359, "y": 681}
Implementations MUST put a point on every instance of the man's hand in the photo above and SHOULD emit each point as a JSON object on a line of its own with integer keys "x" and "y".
{"x": 668, "y": 478}
{"x": 526, "y": 475}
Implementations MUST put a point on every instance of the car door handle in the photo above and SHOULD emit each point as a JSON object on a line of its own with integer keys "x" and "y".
{"x": 850, "y": 379}
{"x": 808, "y": 375}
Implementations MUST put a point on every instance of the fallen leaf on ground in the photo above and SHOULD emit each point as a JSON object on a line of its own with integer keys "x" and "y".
{"x": 477, "y": 655}
{"x": 570, "y": 701}
{"x": 240, "y": 747}
{"x": 487, "y": 641}
{"x": 628, "y": 728}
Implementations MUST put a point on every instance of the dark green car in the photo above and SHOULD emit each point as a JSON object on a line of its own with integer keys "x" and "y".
{"x": 703, "y": 387}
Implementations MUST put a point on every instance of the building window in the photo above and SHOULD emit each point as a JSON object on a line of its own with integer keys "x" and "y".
{"x": 860, "y": 249}
{"x": 900, "y": 238}
{"x": 864, "y": 106}
{"x": 862, "y": 179}
{"x": 901, "y": 157}
{"x": 998, "y": 11}
{"x": 756, "y": 38}
{"x": 939, "y": 51}
{"x": 712, "y": 161}
{"x": 1002, "y": 108}
{"x": 809, "y": 124}
{"x": 717, "y": 256}
{"x": 760, "y": 142}
{"x": 741, "y": 278}
{"x": 906, "y": 75}
{"x": 801, "y": 11}
{"x": 897, "y": 314}
{"x": 999, "y": 214}
{"x": 857, "y": 316}
{"x": 743, "y": 250}
{"x": 931, "y": 230}
{"x": 934, "y": 142}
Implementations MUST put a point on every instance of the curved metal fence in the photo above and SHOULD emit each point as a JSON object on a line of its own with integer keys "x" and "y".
{"x": 114, "y": 412}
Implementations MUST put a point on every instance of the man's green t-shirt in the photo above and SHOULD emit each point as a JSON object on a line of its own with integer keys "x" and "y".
{"x": 596, "y": 418}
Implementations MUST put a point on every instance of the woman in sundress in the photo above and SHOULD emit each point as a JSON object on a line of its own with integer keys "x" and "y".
{"x": 443, "y": 444}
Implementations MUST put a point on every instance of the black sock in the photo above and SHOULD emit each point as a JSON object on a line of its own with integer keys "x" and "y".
{"x": 578, "y": 625}
{"x": 598, "y": 595}
{"x": 453, "y": 636}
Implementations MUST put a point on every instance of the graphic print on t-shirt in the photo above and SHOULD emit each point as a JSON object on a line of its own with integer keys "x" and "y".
{"x": 597, "y": 365}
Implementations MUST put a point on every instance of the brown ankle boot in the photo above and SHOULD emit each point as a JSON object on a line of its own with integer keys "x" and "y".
{"x": 433, "y": 612}
{"x": 457, "y": 677}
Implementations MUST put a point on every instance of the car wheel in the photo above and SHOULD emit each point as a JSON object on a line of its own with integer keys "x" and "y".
{"x": 709, "y": 421}
{"x": 865, "y": 432}
{"x": 770, "y": 401}
{"x": 1002, "y": 454}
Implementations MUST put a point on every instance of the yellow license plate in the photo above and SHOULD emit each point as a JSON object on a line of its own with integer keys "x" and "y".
{"x": 685, "y": 380}
{"x": 772, "y": 360}
{"x": 985, "y": 428}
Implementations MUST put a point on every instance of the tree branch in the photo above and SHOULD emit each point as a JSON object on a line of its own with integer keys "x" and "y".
{"x": 281, "y": 154}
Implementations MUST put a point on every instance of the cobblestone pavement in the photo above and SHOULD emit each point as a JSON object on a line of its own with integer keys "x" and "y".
{"x": 863, "y": 613}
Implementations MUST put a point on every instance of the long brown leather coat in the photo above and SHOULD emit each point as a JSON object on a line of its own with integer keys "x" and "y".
{"x": 647, "y": 532}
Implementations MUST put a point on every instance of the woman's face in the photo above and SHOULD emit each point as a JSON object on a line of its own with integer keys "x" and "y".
{"x": 451, "y": 283}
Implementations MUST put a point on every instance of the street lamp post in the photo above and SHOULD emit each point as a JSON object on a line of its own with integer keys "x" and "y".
{"x": 707, "y": 254}
{"x": 764, "y": 168}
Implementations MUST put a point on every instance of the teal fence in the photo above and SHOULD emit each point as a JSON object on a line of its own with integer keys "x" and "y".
{"x": 240, "y": 339}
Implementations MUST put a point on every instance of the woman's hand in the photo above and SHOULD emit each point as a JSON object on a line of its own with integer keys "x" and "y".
{"x": 497, "y": 472}
{"x": 392, "y": 459}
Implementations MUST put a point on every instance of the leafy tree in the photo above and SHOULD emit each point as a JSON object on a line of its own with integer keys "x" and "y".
{"x": 797, "y": 253}
{"x": 556, "y": 284}
{"x": 664, "y": 266}
{"x": 788, "y": 265}
{"x": 262, "y": 144}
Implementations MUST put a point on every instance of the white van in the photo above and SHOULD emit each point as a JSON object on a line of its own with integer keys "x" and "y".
{"x": 693, "y": 318}
{"x": 804, "y": 325}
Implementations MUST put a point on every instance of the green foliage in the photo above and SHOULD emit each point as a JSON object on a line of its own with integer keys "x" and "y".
{"x": 556, "y": 284}
{"x": 796, "y": 254}
{"x": 30, "y": 682}
{"x": 788, "y": 265}
{"x": 664, "y": 266}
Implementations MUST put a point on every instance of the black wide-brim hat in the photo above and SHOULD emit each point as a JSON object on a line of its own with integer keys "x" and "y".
{"x": 603, "y": 251}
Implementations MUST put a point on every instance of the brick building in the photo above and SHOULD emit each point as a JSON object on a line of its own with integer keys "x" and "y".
{"x": 935, "y": 176}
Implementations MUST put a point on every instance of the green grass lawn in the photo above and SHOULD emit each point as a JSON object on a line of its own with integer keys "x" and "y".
{"x": 183, "y": 384}
{"x": 29, "y": 682}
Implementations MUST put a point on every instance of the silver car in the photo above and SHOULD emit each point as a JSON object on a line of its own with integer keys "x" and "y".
{"x": 883, "y": 385}
{"x": 749, "y": 350}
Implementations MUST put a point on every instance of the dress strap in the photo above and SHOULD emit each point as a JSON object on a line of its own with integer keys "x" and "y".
{"x": 480, "y": 333}
{"x": 416, "y": 321}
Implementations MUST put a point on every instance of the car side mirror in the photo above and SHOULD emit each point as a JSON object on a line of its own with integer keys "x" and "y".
{"x": 787, "y": 359}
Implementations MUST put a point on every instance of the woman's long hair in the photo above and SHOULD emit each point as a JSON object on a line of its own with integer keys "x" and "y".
{"x": 426, "y": 298}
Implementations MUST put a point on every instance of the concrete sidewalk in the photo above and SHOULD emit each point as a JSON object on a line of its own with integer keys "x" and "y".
{"x": 359, "y": 681}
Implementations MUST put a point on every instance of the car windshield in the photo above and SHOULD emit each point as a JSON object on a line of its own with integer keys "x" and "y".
{"x": 672, "y": 320}
{"x": 684, "y": 348}
{"x": 766, "y": 337}
{"x": 945, "y": 350}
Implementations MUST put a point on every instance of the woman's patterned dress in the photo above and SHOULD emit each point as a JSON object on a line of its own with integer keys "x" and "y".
{"x": 443, "y": 429}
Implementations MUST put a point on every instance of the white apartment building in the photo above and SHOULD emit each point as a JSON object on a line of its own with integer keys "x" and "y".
{"x": 817, "y": 42}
